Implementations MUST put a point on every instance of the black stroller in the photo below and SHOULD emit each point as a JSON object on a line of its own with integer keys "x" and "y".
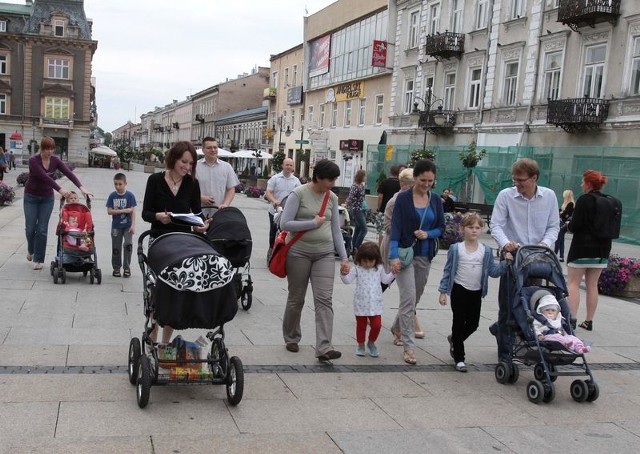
{"x": 230, "y": 236}
{"x": 536, "y": 272}
{"x": 186, "y": 285}
{"x": 76, "y": 251}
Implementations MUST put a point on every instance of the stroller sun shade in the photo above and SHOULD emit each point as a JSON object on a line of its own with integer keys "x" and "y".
{"x": 230, "y": 235}
{"x": 185, "y": 261}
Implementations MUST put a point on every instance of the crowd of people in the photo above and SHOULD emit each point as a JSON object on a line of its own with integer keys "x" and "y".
{"x": 410, "y": 218}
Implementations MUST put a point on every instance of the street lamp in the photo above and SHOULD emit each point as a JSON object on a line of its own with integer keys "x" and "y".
{"x": 438, "y": 118}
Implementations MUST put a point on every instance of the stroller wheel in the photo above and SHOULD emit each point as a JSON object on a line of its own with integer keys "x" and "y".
{"x": 52, "y": 267}
{"x": 594, "y": 391}
{"x": 538, "y": 371}
{"x": 135, "y": 352}
{"x": 55, "y": 275}
{"x": 235, "y": 381}
{"x": 502, "y": 372}
{"x": 579, "y": 390}
{"x": 549, "y": 393}
{"x": 535, "y": 391}
{"x": 63, "y": 275}
{"x": 98, "y": 276}
{"x": 143, "y": 383}
{"x": 246, "y": 298}
{"x": 515, "y": 373}
{"x": 218, "y": 359}
{"x": 92, "y": 276}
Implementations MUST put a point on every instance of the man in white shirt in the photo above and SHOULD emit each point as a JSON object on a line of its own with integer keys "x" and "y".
{"x": 279, "y": 186}
{"x": 523, "y": 214}
{"x": 217, "y": 179}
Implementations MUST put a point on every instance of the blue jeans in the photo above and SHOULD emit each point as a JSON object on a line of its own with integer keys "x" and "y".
{"x": 360, "y": 230}
{"x": 37, "y": 211}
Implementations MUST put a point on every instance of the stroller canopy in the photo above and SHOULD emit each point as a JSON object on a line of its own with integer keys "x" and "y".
{"x": 185, "y": 261}
{"x": 230, "y": 235}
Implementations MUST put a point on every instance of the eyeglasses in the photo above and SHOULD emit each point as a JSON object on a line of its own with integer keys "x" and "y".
{"x": 520, "y": 180}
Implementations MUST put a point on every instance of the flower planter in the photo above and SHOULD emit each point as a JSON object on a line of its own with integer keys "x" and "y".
{"x": 631, "y": 290}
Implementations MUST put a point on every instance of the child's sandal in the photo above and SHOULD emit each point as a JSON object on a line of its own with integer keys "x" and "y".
{"x": 126, "y": 273}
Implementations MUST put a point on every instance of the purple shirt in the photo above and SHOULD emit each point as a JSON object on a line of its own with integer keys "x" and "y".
{"x": 41, "y": 182}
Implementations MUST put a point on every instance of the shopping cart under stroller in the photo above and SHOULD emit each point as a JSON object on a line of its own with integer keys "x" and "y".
{"x": 231, "y": 237}
{"x": 76, "y": 251}
{"x": 187, "y": 284}
{"x": 536, "y": 272}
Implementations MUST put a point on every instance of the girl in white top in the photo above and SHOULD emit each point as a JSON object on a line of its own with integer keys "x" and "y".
{"x": 466, "y": 279}
{"x": 367, "y": 296}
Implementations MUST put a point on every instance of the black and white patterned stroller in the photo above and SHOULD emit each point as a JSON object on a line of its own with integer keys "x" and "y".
{"x": 231, "y": 237}
{"x": 187, "y": 284}
{"x": 534, "y": 273}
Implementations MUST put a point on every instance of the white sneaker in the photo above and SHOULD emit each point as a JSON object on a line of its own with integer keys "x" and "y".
{"x": 461, "y": 367}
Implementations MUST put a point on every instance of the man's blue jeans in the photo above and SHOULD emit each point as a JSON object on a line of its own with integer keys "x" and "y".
{"x": 37, "y": 211}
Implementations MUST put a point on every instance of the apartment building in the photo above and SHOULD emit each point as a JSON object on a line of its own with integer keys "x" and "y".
{"x": 46, "y": 52}
{"x": 516, "y": 72}
{"x": 348, "y": 74}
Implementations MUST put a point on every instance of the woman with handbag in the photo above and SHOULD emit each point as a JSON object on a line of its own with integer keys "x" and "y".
{"x": 416, "y": 223}
{"x": 566, "y": 211}
{"x": 313, "y": 209}
{"x": 357, "y": 206}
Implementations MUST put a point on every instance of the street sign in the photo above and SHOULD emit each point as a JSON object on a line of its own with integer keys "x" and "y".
{"x": 302, "y": 142}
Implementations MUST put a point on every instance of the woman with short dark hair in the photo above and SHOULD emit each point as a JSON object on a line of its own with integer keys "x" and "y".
{"x": 311, "y": 259}
{"x": 39, "y": 199}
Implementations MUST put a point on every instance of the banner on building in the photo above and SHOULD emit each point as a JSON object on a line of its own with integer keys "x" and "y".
{"x": 294, "y": 95}
{"x": 350, "y": 90}
{"x": 379, "y": 56}
{"x": 319, "y": 53}
{"x": 351, "y": 145}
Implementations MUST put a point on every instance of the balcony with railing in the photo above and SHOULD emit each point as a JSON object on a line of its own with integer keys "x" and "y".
{"x": 445, "y": 45}
{"x": 270, "y": 93}
{"x": 582, "y": 13}
{"x": 437, "y": 121}
{"x": 578, "y": 114}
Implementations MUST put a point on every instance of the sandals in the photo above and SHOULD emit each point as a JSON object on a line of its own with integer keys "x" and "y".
{"x": 126, "y": 273}
{"x": 116, "y": 273}
{"x": 29, "y": 257}
{"x": 397, "y": 339}
{"x": 409, "y": 357}
{"x": 419, "y": 334}
{"x": 587, "y": 324}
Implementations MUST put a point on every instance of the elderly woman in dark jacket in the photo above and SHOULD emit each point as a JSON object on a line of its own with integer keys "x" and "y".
{"x": 417, "y": 221}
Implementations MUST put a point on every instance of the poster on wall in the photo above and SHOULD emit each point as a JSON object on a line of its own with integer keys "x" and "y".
{"x": 379, "y": 55}
{"x": 319, "y": 53}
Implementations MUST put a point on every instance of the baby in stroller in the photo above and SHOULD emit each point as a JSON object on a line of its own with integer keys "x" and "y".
{"x": 77, "y": 223}
{"x": 547, "y": 325}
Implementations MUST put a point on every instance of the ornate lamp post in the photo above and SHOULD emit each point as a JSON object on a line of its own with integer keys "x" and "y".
{"x": 425, "y": 115}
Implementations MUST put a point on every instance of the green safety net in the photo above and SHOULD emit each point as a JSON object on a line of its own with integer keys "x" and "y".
{"x": 560, "y": 168}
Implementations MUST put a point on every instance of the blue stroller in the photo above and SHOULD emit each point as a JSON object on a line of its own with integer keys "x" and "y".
{"x": 536, "y": 272}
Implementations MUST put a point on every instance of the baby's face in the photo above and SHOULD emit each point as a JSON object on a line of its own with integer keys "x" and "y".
{"x": 550, "y": 312}
{"x": 73, "y": 198}
{"x": 73, "y": 221}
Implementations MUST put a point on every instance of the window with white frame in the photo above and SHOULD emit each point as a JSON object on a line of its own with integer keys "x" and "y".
{"x": 58, "y": 28}
{"x": 58, "y": 68}
{"x": 456, "y": 15}
{"x": 552, "y": 72}
{"x": 334, "y": 115}
{"x": 347, "y": 113}
{"x": 4, "y": 66}
{"x": 635, "y": 67}
{"x": 3, "y": 104}
{"x": 310, "y": 115}
{"x": 510, "y": 83}
{"x": 407, "y": 104}
{"x": 294, "y": 80}
{"x": 293, "y": 119}
{"x": 322, "y": 115}
{"x": 274, "y": 79}
{"x": 414, "y": 29}
{"x": 434, "y": 22}
{"x": 482, "y": 14}
{"x": 593, "y": 86}
{"x": 56, "y": 108}
{"x": 3, "y": 25}
{"x": 556, "y": 3}
{"x": 517, "y": 8}
{"x": 449, "y": 90}
{"x": 362, "y": 112}
{"x": 475, "y": 79}
{"x": 379, "y": 109}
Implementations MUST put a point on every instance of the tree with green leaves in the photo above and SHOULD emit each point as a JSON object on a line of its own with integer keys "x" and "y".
{"x": 420, "y": 155}
{"x": 277, "y": 161}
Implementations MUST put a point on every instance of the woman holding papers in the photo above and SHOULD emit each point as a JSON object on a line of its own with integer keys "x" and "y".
{"x": 173, "y": 192}
{"x": 169, "y": 194}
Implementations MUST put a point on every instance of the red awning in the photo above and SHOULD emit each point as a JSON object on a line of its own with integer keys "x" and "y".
{"x": 15, "y": 136}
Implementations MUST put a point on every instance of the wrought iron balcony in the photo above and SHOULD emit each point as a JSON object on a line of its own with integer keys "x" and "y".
{"x": 580, "y": 13}
{"x": 578, "y": 114}
{"x": 270, "y": 93}
{"x": 428, "y": 120}
{"x": 445, "y": 45}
